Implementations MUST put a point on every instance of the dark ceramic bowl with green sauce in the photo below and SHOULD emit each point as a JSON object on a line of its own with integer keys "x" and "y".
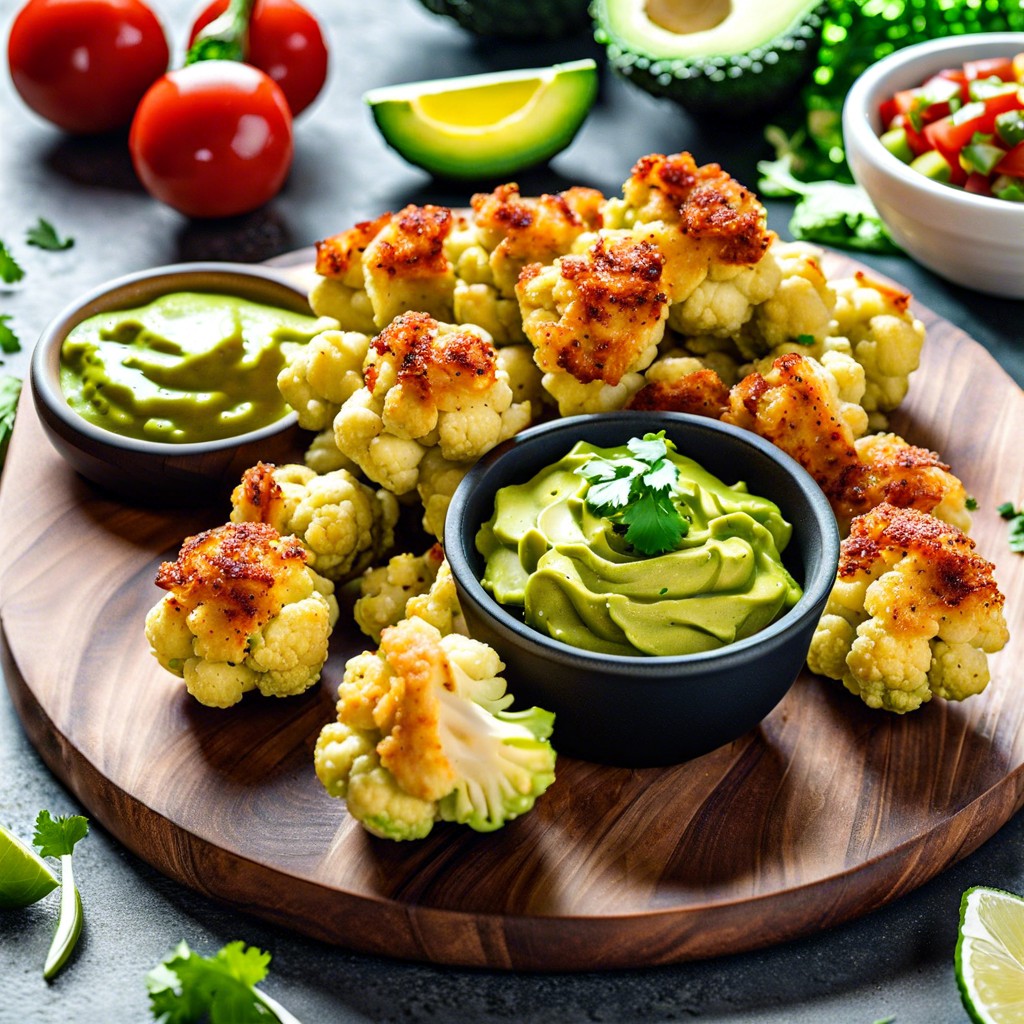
{"x": 642, "y": 710}
{"x": 144, "y": 470}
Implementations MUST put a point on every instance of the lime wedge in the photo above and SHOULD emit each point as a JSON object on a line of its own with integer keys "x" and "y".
{"x": 486, "y": 125}
{"x": 990, "y": 955}
{"x": 24, "y": 876}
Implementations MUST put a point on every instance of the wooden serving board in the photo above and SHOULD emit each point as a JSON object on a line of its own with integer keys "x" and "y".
{"x": 824, "y": 812}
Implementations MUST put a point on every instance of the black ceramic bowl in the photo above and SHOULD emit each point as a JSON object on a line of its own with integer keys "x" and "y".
{"x": 149, "y": 470}
{"x": 640, "y": 711}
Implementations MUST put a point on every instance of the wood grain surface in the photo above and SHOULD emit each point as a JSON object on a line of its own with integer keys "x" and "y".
{"x": 824, "y": 812}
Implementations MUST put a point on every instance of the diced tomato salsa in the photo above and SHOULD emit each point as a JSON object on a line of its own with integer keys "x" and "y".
{"x": 964, "y": 126}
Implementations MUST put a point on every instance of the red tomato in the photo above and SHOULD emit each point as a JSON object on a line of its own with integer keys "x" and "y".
{"x": 84, "y": 64}
{"x": 1013, "y": 163}
{"x": 213, "y": 139}
{"x": 285, "y": 41}
{"x": 978, "y": 184}
{"x": 997, "y": 67}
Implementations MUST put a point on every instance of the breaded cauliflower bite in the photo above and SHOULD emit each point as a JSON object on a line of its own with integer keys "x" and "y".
{"x": 884, "y": 337}
{"x": 423, "y": 735}
{"x": 427, "y": 384}
{"x": 386, "y": 590}
{"x": 320, "y": 375}
{"x": 243, "y": 612}
{"x": 596, "y": 317}
{"x": 914, "y": 613}
{"x": 708, "y": 228}
{"x": 344, "y": 525}
{"x": 378, "y": 269}
{"x": 516, "y": 230}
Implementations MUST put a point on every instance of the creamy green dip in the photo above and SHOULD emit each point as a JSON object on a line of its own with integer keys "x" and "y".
{"x": 576, "y": 579}
{"x": 189, "y": 366}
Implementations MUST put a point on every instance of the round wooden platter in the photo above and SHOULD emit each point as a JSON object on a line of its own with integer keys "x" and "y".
{"x": 824, "y": 812}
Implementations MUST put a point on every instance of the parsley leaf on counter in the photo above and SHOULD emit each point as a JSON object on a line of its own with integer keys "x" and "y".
{"x": 827, "y": 212}
{"x": 1016, "y": 520}
{"x": 637, "y": 492}
{"x": 10, "y": 390}
{"x": 9, "y": 342}
{"x": 10, "y": 269}
{"x": 56, "y": 837}
{"x": 44, "y": 236}
{"x": 186, "y": 987}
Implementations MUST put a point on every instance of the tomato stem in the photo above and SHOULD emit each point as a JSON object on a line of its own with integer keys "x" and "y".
{"x": 226, "y": 37}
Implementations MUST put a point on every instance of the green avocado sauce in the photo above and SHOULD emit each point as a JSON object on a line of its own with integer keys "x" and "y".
{"x": 575, "y": 578}
{"x": 189, "y": 366}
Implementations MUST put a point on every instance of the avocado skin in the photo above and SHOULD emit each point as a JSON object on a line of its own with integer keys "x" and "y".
{"x": 732, "y": 87}
{"x": 524, "y": 19}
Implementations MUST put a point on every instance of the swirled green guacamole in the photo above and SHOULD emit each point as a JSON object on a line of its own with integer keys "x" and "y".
{"x": 189, "y": 366}
{"x": 578, "y": 579}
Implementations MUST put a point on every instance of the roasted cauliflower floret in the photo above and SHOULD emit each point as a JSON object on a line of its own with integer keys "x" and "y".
{"x": 596, "y": 317}
{"x": 427, "y": 384}
{"x": 344, "y": 525}
{"x": 699, "y": 217}
{"x": 680, "y": 383}
{"x": 440, "y": 606}
{"x": 795, "y": 404}
{"x": 516, "y": 230}
{"x": 423, "y": 735}
{"x": 322, "y": 374}
{"x": 322, "y": 455}
{"x": 243, "y": 611}
{"x": 901, "y": 474}
{"x": 437, "y": 482}
{"x": 913, "y": 614}
{"x": 798, "y": 312}
{"x": 386, "y": 590}
{"x": 885, "y": 338}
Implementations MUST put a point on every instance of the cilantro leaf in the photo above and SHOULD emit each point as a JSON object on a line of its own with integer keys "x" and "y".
{"x": 971, "y": 504}
{"x": 186, "y": 987}
{"x": 10, "y": 391}
{"x": 9, "y": 341}
{"x": 56, "y": 837}
{"x": 635, "y": 491}
{"x": 1016, "y": 520}
{"x": 44, "y": 236}
{"x": 10, "y": 269}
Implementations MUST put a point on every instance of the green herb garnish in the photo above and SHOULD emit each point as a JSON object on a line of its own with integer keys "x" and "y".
{"x": 186, "y": 987}
{"x": 9, "y": 341}
{"x": 1016, "y": 520}
{"x": 10, "y": 391}
{"x": 971, "y": 504}
{"x": 44, "y": 236}
{"x": 56, "y": 837}
{"x": 635, "y": 491}
{"x": 10, "y": 269}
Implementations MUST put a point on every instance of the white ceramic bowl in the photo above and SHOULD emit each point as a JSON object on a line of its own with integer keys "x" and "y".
{"x": 972, "y": 240}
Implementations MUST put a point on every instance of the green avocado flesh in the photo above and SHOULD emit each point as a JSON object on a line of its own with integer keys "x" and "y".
{"x": 189, "y": 366}
{"x": 713, "y": 57}
{"x": 525, "y": 19}
{"x": 573, "y": 576}
{"x": 486, "y": 125}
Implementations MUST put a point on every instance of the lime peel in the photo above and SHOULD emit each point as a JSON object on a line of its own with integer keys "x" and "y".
{"x": 488, "y": 124}
{"x": 25, "y": 877}
{"x": 989, "y": 956}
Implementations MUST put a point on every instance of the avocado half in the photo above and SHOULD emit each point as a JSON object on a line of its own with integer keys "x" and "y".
{"x": 524, "y": 19}
{"x": 726, "y": 58}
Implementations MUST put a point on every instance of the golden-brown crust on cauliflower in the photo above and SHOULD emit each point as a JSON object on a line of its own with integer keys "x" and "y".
{"x": 958, "y": 577}
{"x": 700, "y": 393}
{"x": 617, "y": 298}
{"x": 413, "y": 751}
{"x": 241, "y": 569}
{"x": 708, "y": 204}
{"x": 414, "y": 246}
{"x": 260, "y": 493}
{"x": 463, "y": 362}
{"x": 791, "y": 407}
{"x": 337, "y": 255}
